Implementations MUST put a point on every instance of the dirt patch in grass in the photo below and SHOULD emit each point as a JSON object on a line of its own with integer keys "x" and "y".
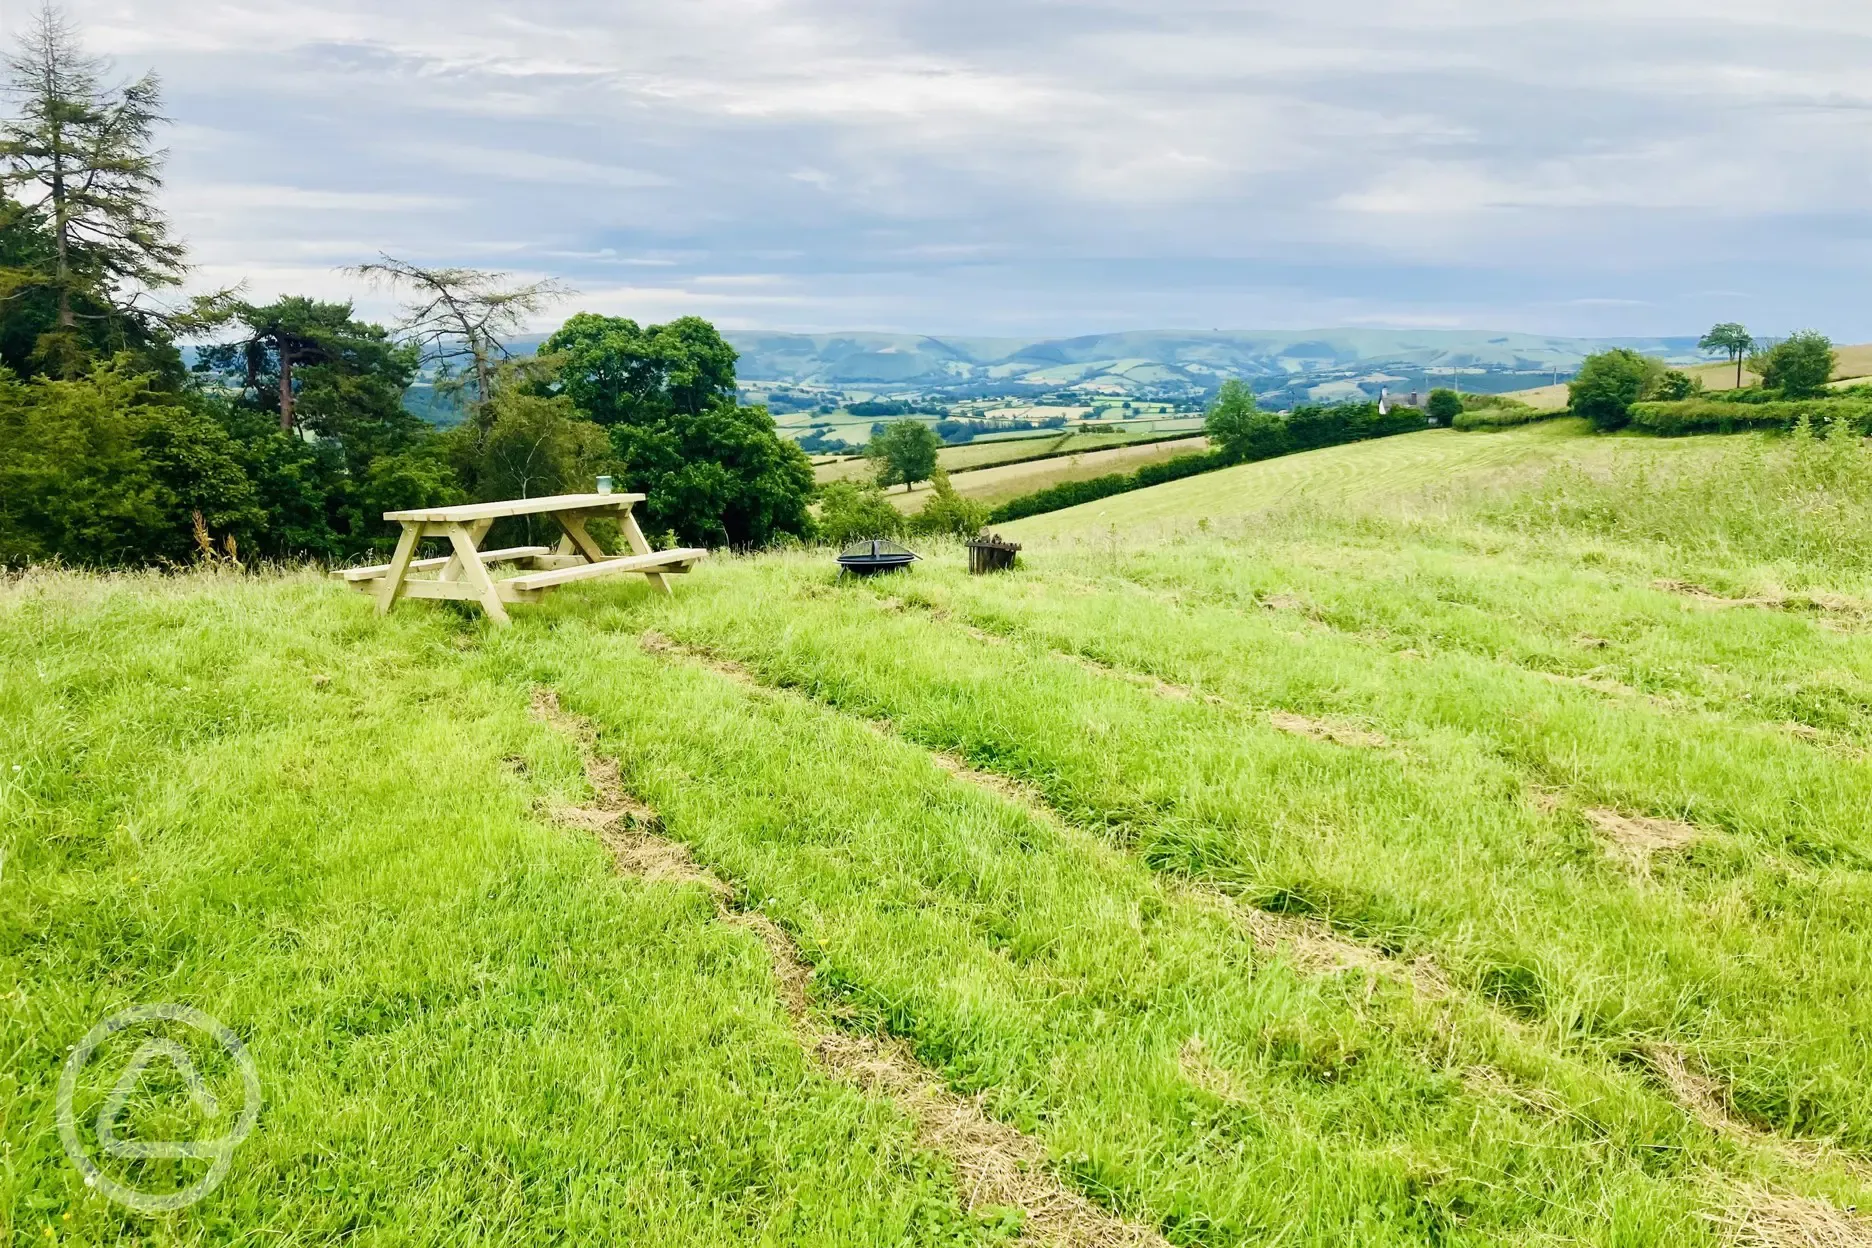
{"x": 1764, "y": 1218}
{"x": 1143, "y": 680}
{"x": 1635, "y": 839}
{"x": 1837, "y": 605}
{"x": 1325, "y": 730}
{"x": 996, "y": 1165}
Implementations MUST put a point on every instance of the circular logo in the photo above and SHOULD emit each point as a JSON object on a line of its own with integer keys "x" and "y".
{"x": 219, "y": 1153}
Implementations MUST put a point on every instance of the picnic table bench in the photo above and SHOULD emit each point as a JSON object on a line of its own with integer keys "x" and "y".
{"x": 463, "y": 574}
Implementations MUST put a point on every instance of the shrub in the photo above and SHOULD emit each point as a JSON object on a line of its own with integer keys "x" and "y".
{"x": 1500, "y": 416}
{"x": 948, "y": 513}
{"x": 1609, "y": 383}
{"x": 1800, "y": 367}
{"x": 1237, "y": 424}
{"x": 1073, "y": 493}
{"x": 853, "y": 511}
{"x": 1445, "y": 406}
{"x": 1710, "y": 415}
{"x": 1675, "y": 385}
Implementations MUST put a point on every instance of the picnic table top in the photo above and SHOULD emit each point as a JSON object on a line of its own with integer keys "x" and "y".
{"x": 513, "y": 507}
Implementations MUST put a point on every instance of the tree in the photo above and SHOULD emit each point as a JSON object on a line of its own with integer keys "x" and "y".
{"x": 622, "y": 374}
{"x": 526, "y": 445}
{"x": 341, "y": 359}
{"x": 904, "y": 452}
{"x": 464, "y": 314}
{"x": 1733, "y": 340}
{"x": 1801, "y": 366}
{"x": 1238, "y": 426}
{"x": 713, "y": 470}
{"x": 856, "y": 511}
{"x": 1608, "y": 383}
{"x": 81, "y": 153}
{"x": 947, "y": 512}
{"x": 1675, "y": 385}
{"x": 1445, "y": 406}
{"x": 109, "y": 469}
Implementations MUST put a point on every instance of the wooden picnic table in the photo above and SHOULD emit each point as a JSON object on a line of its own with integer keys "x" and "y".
{"x": 463, "y": 574}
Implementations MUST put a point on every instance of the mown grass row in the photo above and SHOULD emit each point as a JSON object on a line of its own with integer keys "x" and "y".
{"x": 1435, "y": 846}
{"x": 1174, "y": 1069}
{"x": 250, "y": 797}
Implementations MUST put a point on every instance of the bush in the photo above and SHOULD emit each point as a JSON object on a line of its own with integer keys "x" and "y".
{"x": 1710, "y": 415}
{"x": 1800, "y": 367}
{"x": 1073, "y": 493}
{"x": 1445, "y": 406}
{"x": 1501, "y": 416}
{"x": 854, "y": 511}
{"x": 1675, "y": 385}
{"x": 1609, "y": 383}
{"x": 948, "y": 513}
{"x": 104, "y": 470}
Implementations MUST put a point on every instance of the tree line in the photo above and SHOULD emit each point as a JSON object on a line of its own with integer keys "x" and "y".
{"x": 140, "y": 427}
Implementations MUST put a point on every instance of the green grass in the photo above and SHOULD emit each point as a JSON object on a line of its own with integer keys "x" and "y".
{"x": 1386, "y": 470}
{"x": 985, "y": 454}
{"x": 1380, "y": 984}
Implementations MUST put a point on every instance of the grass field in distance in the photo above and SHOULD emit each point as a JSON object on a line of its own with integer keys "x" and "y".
{"x": 1409, "y": 865}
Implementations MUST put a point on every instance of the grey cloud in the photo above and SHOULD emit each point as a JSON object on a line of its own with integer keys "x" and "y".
{"x": 1591, "y": 166}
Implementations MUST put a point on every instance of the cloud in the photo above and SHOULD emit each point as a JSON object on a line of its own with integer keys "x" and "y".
{"x": 1593, "y": 166}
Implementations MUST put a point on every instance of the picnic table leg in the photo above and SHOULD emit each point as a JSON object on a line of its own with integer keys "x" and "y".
{"x": 399, "y": 567}
{"x": 639, "y": 546}
{"x": 475, "y": 573}
{"x": 573, "y": 523}
{"x": 452, "y": 570}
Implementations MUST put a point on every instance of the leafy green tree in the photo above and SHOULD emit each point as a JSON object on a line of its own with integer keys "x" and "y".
{"x": 947, "y": 512}
{"x": 904, "y": 453}
{"x": 856, "y": 511}
{"x": 81, "y": 155}
{"x": 109, "y": 468}
{"x": 522, "y": 445}
{"x": 619, "y": 373}
{"x": 1607, "y": 385}
{"x": 713, "y": 471}
{"x": 311, "y": 362}
{"x": 1240, "y": 428}
{"x": 1732, "y": 340}
{"x": 1801, "y": 366}
{"x": 1674, "y": 386}
{"x": 1445, "y": 406}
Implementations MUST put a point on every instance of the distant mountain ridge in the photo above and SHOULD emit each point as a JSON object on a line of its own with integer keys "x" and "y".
{"x": 1148, "y": 359}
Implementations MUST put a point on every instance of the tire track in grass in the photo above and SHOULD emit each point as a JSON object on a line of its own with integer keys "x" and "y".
{"x": 996, "y": 1165}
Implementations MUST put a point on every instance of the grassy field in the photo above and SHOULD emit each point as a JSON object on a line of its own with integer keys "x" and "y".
{"x": 980, "y": 454}
{"x": 1387, "y": 469}
{"x": 1492, "y": 870}
{"x": 993, "y": 485}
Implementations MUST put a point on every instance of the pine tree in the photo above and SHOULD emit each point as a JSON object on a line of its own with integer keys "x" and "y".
{"x": 78, "y": 158}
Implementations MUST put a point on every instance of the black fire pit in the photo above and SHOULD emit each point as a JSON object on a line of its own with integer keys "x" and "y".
{"x": 870, "y": 558}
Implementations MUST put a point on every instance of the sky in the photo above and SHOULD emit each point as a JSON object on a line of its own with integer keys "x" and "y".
{"x": 1037, "y": 167}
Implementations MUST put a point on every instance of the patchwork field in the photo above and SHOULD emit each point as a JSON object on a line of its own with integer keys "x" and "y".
{"x": 1491, "y": 870}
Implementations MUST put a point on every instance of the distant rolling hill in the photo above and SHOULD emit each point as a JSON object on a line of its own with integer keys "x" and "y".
{"x": 1167, "y": 360}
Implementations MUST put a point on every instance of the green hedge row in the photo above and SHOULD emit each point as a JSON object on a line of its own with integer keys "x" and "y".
{"x": 1072, "y": 493}
{"x": 1720, "y": 416}
{"x": 1502, "y": 417}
